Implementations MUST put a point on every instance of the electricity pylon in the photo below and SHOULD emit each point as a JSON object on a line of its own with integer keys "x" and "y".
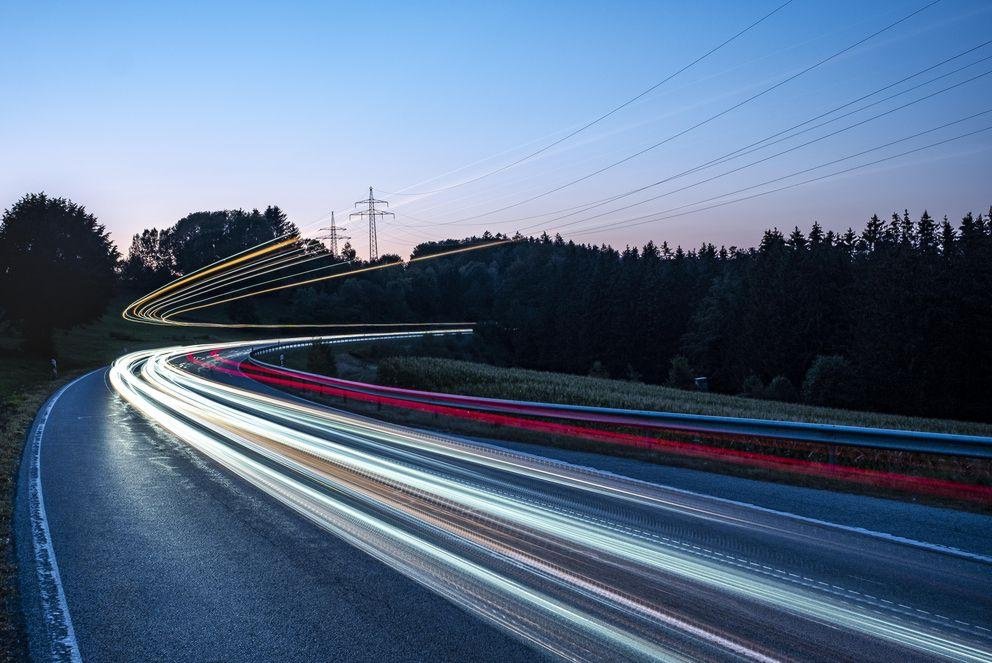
{"x": 371, "y": 213}
{"x": 333, "y": 235}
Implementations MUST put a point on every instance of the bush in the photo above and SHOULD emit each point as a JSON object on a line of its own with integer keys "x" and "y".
{"x": 680, "y": 374}
{"x": 597, "y": 370}
{"x": 243, "y": 311}
{"x": 321, "y": 359}
{"x": 832, "y": 380}
{"x": 753, "y": 387}
{"x": 781, "y": 389}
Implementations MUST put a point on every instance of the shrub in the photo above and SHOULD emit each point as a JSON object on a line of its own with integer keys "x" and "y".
{"x": 832, "y": 380}
{"x": 753, "y": 387}
{"x": 781, "y": 389}
{"x": 597, "y": 370}
{"x": 321, "y": 359}
{"x": 680, "y": 373}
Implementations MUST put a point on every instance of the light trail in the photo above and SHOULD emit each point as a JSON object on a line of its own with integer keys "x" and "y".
{"x": 585, "y": 564}
{"x": 186, "y": 294}
{"x": 249, "y": 271}
{"x": 515, "y": 414}
{"x": 226, "y": 263}
{"x": 320, "y": 279}
{"x": 166, "y": 310}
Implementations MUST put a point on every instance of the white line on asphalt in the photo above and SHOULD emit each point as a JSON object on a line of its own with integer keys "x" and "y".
{"x": 895, "y": 538}
{"x": 55, "y": 609}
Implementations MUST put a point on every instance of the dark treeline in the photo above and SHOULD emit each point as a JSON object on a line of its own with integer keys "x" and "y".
{"x": 157, "y": 256}
{"x": 57, "y": 268}
{"x": 895, "y": 318}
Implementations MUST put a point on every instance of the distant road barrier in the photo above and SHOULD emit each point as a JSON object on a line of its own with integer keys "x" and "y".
{"x": 975, "y": 446}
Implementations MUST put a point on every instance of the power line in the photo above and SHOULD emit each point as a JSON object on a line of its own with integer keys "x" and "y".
{"x": 765, "y": 142}
{"x": 758, "y": 161}
{"x": 607, "y": 114}
{"x": 772, "y": 139}
{"x": 711, "y": 118}
{"x": 627, "y": 223}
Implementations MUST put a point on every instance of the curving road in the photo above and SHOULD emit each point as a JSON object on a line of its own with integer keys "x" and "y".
{"x": 247, "y": 524}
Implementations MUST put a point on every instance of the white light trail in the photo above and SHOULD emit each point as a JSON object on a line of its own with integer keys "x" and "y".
{"x": 521, "y": 541}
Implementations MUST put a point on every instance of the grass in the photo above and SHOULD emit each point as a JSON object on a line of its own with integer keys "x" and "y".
{"x": 93, "y": 345}
{"x": 17, "y": 411}
{"x": 470, "y": 378}
{"x": 25, "y": 384}
{"x": 456, "y": 376}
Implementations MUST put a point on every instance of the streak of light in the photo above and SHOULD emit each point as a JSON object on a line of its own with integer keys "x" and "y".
{"x": 160, "y": 307}
{"x": 544, "y": 549}
{"x": 249, "y": 254}
{"x": 319, "y": 279}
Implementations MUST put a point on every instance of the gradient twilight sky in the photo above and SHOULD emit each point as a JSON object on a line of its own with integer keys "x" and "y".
{"x": 145, "y": 112}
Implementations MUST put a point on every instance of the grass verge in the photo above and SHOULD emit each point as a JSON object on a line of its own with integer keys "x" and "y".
{"x": 25, "y": 384}
{"x": 471, "y": 378}
{"x": 17, "y": 411}
{"x": 456, "y": 376}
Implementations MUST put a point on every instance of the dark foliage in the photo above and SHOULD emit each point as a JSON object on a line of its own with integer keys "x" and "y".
{"x": 321, "y": 359}
{"x": 56, "y": 267}
{"x": 781, "y": 389}
{"x": 832, "y": 381}
{"x": 907, "y": 304}
{"x": 680, "y": 375}
{"x": 198, "y": 239}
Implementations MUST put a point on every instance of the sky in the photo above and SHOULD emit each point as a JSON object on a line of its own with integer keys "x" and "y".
{"x": 145, "y": 112}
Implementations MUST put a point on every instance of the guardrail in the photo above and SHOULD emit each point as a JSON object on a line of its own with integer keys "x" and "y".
{"x": 877, "y": 438}
{"x": 356, "y": 338}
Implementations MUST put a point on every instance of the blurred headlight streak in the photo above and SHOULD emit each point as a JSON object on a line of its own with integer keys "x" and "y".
{"x": 189, "y": 292}
{"x": 585, "y": 564}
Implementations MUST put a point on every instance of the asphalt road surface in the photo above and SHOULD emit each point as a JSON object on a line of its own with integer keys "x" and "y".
{"x": 246, "y": 524}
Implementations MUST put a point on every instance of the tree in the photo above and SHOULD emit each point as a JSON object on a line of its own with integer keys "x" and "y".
{"x": 753, "y": 387}
{"x": 680, "y": 374}
{"x": 321, "y": 359}
{"x": 348, "y": 252}
{"x": 201, "y": 238}
{"x": 832, "y": 380}
{"x": 597, "y": 370}
{"x": 149, "y": 264}
{"x": 56, "y": 267}
{"x": 781, "y": 389}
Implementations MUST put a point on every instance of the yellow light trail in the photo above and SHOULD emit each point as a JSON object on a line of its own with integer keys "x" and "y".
{"x": 206, "y": 270}
{"x": 271, "y": 263}
{"x": 153, "y": 308}
{"x": 361, "y": 270}
{"x": 370, "y": 268}
{"x": 162, "y": 309}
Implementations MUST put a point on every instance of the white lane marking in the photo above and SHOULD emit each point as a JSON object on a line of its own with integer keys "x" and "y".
{"x": 54, "y": 608}
{"x": 895, "y": 538}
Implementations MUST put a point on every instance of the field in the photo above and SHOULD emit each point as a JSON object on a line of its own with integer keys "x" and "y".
{"x": 367, "y": 364}
{"x": 463, "y": 377}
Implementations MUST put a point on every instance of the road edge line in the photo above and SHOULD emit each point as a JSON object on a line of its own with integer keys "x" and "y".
{"x": 54, "y": 607}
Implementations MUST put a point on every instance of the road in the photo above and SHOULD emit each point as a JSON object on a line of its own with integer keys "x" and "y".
{"x": 248, "y": 524}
